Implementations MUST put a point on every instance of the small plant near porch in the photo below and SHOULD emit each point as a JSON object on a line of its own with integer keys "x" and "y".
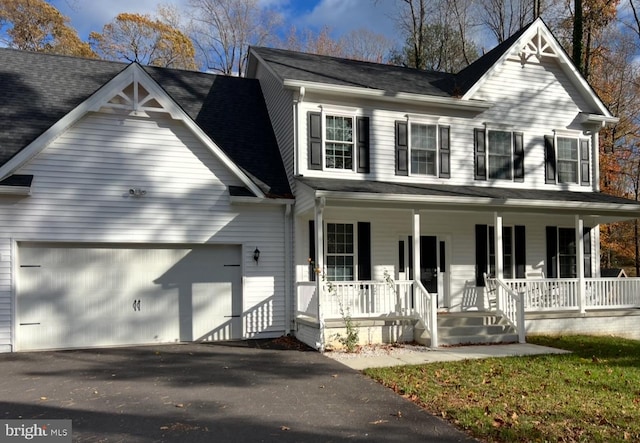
{"x": 351, "y": 338}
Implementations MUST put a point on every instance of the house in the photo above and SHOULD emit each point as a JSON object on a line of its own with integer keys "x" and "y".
{"x": 407, "y": 183}
{"x": 124, "y": 209}
{"x": 149, "y": 205}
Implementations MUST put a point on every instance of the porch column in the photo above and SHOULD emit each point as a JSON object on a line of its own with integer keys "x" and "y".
{"x": 498, "y": 254}
{"x": 580, "y": 262}
{"x": 320, "y": 272}
{"x": 415, "y": 225}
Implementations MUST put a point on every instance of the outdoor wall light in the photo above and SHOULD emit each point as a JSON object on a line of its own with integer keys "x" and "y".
{"x": 136, "y": 192}
{"x": 256, "y": 255}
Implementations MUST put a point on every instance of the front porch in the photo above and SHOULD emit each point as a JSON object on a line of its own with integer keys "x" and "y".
{"x": 403, "y": 311}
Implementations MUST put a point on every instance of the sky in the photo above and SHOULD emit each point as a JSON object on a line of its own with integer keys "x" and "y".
{"x": 341, "y": 16}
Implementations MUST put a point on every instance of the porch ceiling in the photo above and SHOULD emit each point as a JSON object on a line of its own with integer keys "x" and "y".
{"x": 375, "y": 194}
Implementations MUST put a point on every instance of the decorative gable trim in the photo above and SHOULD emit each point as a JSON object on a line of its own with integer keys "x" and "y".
{"x": 539, "y": 41}
{"x": 132, "y": 90}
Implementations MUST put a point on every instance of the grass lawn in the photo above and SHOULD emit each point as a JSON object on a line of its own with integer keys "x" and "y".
{"x": 591, "y": 395}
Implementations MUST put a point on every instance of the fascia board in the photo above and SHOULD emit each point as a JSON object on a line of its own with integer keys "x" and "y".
{"x": 472, "y": 202}
{"x": 264, "y": 63}
{"x": 380, "y": 94}
{"x": 15, "y": 190}
{"x": 567, "y": 65}
{"x": 100, "y": 98}
{"x": 257, "y": 200}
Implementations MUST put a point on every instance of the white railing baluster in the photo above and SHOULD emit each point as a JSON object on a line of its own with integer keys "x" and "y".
{"x": 562, "y": 294}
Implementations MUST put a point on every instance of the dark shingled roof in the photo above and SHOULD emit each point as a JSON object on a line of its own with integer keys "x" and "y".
{"x": 340, "y": 71}
{"x": 37, "y": 90}
{"x": 393, "y": 79}
{"x": 455, "y": 191}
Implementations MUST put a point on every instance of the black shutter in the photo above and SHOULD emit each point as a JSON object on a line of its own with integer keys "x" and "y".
{"x": 445, "y": 153}
{"x": 518, "y": 157}
{"x": 480, "y": 155}
{"x": 402, "y": 149}
{"x": 586, "y": 238}
{"x": 312, "y": 251}
{"x": 315, "y": 140}
{"x": 362, "y": 125}
{"x": 521, "y": 251}
{"x": 481, "y": 254}
{"x": 364, "y": 251}
{"x": 552, "y": 251}
{"x": 584, "y": 162}
{"x": 549, "y": 160}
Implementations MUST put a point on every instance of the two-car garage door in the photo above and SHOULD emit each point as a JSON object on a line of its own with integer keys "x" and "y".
{"x": 71, "y": 296}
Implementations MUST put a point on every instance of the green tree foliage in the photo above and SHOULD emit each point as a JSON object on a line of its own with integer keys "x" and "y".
{"x": 140, "y": 38}
{"x": 35, "y": 25}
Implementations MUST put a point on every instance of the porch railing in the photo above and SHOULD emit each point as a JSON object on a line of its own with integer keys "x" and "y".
{"x": 564, "y": 294}
{"x": 426, "y": 308}
{"x": 370, "y": 299}
{"x": 510, "y": 304}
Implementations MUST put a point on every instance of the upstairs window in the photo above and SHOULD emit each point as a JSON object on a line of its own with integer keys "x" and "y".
{"x": 422, "y": 149}
{"x": 499, "y": 155}
{"x": 338, "y": 142}
{"x": 567, "y": 160}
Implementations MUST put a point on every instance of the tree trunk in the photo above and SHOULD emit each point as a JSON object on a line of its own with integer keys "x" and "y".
{"x": 577, "y": 36}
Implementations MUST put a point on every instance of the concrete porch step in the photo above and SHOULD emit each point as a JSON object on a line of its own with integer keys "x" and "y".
{"x": 468, "y": 328}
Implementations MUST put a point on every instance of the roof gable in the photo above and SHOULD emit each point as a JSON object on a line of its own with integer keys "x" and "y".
{"x": 48, "y": 93}
{"x": 533, "y": 41}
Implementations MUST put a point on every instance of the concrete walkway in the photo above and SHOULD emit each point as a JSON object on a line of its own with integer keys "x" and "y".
{"x": 379, "y": 357}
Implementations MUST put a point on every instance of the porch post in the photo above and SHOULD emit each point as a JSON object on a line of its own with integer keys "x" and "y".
{"x": 498, "y": 254}
{"x": 415, "y": 221}
{"x": 319, "y": 226}
{"x": 580, "y": 262}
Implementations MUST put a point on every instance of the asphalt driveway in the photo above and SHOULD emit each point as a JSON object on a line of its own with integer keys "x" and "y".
{"x": 241, "y": 392}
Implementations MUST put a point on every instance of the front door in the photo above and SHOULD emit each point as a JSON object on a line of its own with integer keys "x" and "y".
{"x": 432, "y": 263}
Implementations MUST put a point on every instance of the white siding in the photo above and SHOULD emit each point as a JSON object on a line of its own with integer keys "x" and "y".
{"x": 80, "y": 193}
{"x": 535, "y": 99}
{"x": 280, "y": 106}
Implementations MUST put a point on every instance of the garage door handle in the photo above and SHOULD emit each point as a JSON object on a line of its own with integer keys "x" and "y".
{"x": 136, "y": 305}
{"x": 231, "y": 316}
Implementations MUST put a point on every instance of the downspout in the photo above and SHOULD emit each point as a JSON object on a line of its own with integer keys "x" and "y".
{"x": 287, "y": 269}
{"x": 296, "y": 130}
{"x": 595, "y": 142}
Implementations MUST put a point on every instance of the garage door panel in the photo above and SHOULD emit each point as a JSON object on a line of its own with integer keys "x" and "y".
{"x": 97, "y": 296}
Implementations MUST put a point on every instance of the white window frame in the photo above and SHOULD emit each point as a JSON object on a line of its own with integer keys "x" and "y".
{"x": 424, "y": 121}
{"x": 497, "y": 128}
{"x": 352, "y": 114}
{"x": 353, "y": 254}
{"x": 579, "y": 138}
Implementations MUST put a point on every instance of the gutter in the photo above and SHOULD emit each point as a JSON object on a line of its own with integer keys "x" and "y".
{"x": 400, "y": 97}
{"x": 481, "y": 201}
